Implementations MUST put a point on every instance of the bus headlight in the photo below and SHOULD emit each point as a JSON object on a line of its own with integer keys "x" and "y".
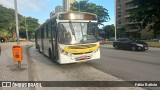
{"x": 69, "y": 54}
{"x": 61, "y": 50}
{"x": 65, "y": 53}
{"x": 96, "y": 50}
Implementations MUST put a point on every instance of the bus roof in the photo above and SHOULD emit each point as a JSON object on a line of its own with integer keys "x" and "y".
{"x": 76, "y": 16}
{"x": 75, "y": 12}
{"x": 57, "y": 15}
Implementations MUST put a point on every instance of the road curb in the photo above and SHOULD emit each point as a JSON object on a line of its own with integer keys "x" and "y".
{"x": 30, "y": 76}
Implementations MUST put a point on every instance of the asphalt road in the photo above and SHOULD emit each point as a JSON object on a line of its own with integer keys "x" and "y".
{"x": 43, "y": 69}
{"x": 129, "y": 65}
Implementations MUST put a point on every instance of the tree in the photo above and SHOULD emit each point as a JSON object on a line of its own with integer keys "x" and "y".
{"x": 31, "y": 24}
{"x": 86, "y": 6}
{"x": 109, "y": 30}
{"x": 7, "y": 24}
{"x": 148, "y": 13}
{"x": 121, "y": 32}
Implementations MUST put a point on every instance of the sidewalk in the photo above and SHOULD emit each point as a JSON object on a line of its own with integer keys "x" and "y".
{"x": 9, "y": 70}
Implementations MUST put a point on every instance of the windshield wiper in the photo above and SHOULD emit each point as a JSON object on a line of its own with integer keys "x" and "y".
{"x": 72, "y": 29}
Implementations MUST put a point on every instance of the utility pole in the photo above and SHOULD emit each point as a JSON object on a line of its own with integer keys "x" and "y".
{"x": 16, "y": 15}
{"x": 115, "y": 6}
{"x": 17, "y": 28}
{"x": 26, "y": 31}
{"x": 79, "y": 6}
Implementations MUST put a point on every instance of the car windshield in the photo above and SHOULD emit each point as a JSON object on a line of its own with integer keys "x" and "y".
{"x": 77, "y": 33}
{"x": 133, "y": 40}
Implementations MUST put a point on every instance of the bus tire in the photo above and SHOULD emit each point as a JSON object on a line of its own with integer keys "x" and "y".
{"x": 50, "y": 55}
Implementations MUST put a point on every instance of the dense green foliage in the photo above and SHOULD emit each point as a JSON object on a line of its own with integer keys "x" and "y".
{"x": 121, "y": 32}
{"x": 148, "y": 13}
{"x": 31, "y": 24}
{"x": 86, "y": 6}
{"x": 7, "y": 24}
{"x": 109, "y": 30}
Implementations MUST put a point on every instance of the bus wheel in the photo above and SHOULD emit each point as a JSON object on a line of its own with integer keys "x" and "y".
{"x": 39, "y": 49}
{"x": 50, "y": 54}
{"x": 51, "y": 57}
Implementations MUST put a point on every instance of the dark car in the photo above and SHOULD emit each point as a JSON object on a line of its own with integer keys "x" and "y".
{"x": 130, "y": 44}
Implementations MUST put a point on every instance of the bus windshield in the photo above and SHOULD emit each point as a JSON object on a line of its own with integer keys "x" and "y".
{"x": 77, "y": 33}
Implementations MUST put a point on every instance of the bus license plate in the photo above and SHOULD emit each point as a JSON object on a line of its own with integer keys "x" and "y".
{"x": 82, "y": 57}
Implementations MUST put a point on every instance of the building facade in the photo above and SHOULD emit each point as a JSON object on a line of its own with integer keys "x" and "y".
{"x": 67, "y": 4}
{"x": 123, "y": 21}
{"x": 58, "y": 9}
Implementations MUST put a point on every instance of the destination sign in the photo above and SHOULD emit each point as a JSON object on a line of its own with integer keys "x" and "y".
{"x": 77, "y": 16}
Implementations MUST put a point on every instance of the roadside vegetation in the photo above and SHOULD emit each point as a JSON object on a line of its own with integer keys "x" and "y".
{"x": 147, "y": 13}
{"x": 8, "y": 28}
{"x": 154, "y": 44}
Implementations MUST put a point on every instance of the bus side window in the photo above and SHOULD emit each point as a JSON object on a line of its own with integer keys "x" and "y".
{"x": 53, "y": 26}
{"x": 53, "y": 30}
{"x": 42, "y": 32}
{"x": 49, "y": 30}
{"x": 45, "y": 32}
{"x": 38, "y": 34}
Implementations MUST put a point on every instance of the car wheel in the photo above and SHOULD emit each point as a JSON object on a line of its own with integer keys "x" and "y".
{"x": 133, "y": 48}
{"x": 116, "y": 46}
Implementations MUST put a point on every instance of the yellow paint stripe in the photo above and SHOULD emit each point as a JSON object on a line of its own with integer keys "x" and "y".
{"x": 81, "y": 48}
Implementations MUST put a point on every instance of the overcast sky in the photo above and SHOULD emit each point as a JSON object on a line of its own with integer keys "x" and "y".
{"x": 41, "y": 9}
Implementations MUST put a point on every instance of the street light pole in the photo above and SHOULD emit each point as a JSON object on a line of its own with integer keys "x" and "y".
{"x": 16, "y": 15}
{"x": 79, "y": 6}
{"x": 17, "y": 30}
{"x": 115, "y": 6}
{"x": 26, "y": 31}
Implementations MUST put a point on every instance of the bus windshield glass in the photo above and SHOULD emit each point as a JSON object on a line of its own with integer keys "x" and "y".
{"x": 77, "y": 33}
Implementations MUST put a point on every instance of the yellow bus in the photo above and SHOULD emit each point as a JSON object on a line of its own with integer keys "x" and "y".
{"x": 69, "y": 37}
